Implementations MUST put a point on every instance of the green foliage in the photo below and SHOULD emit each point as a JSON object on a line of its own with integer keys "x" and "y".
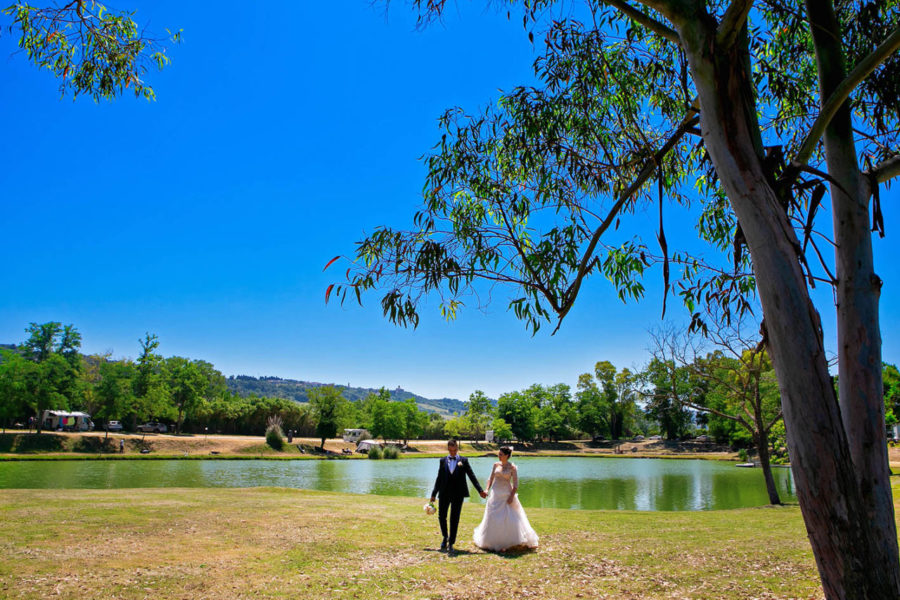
{"x": 391, "y": 452}
{"x": 502, "y": 430}
{"x": 328, "y": 409}
{"x": 606, "y": 402}
{"x": 479, "y": 413}
{"x": 518, "y": 410}
{"x": 668, "y": 386}
{"x": 89, "y": 49}
{"x": 890, "y": 379}
{"x": 375, "y": 453}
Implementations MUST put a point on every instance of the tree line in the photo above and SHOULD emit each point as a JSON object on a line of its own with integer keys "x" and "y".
{"x": 730, "y": 393}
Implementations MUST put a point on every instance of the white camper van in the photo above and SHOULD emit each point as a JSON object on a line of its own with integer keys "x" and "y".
{"x": 66, "y": 421}
{"x": 354, "y": 435}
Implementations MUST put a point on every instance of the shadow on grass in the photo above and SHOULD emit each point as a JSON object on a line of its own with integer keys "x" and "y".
{"x": 31, "y": 442}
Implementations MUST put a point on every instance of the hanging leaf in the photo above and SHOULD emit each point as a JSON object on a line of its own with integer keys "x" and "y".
{"x": 331, "y": 262}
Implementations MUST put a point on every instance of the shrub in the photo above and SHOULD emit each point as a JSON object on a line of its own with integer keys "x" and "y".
{"x": 375, "y": 453}
{"x": 742, "y": 455}
{"x": 391, "y": 452}
{"x": 274, "y": 433}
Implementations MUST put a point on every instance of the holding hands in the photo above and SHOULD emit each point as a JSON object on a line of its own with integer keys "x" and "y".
{"x": 483, "y": 493}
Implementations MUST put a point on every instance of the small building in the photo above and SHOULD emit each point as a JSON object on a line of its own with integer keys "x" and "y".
{"x": 354, "y": 435}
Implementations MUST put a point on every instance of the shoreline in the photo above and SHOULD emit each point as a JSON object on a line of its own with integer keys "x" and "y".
{"x": 23, "y": 445}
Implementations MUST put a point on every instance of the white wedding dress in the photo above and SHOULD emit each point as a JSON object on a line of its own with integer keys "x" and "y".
{"x": 504, "y": 525}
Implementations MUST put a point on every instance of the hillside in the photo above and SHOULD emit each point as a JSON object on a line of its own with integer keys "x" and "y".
{"x": 291, "y": 389}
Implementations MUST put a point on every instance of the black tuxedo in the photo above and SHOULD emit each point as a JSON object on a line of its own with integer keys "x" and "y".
{"x": 452, "y": 489}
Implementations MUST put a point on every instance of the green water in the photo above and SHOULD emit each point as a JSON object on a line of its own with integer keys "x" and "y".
{"x": 575, "y": 483}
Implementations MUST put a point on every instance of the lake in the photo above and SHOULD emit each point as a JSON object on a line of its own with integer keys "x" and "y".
{"x": 572, "y": 482}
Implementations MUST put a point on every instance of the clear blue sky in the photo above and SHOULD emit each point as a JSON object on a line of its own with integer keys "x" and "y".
{"x": 278, "y": 138}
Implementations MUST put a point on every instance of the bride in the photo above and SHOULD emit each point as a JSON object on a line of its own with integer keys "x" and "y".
{"x": 504, "y": 525}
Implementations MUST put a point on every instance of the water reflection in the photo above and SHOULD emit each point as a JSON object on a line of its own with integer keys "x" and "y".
{"x": 573, "y": 483}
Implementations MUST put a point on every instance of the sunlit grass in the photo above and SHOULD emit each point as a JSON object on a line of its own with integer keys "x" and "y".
{"x": 278, "y": 543}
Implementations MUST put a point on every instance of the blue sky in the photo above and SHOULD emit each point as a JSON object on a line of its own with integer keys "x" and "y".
{"x": 278, "y": 139}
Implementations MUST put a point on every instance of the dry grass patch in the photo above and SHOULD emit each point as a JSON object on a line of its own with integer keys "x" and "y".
{"x": 277, "y": 543}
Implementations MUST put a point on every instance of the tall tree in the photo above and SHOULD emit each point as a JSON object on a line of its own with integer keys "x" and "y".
{"x": 115, "y": 390}
{"x": 669, "y": 385}
{"x": 16, "y": 377}
{"x": 56, "y": 382}
{"x": 150, "y": 390}
{"x": 479, "y": 413}
{"x": 618, "y": 392}
{"x": 518, "y": 410}
{"x": 186, "y": 383}
{"x": 590, "y": 407}
{"x": 785, "y": 104}
{"x": 328, "y": 408}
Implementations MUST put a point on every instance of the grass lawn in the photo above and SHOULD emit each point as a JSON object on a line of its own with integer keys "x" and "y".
{"x": 280, "y": 543}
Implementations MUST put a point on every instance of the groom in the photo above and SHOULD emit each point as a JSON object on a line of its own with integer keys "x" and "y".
{"x": 452, "y": 489}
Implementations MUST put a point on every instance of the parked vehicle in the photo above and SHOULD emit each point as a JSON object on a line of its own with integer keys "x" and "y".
{"x": 153, "y": 427}
{"x": 114, "y": 426}
{"x": 62, "y": 420}
{"x": 355, "y": 435}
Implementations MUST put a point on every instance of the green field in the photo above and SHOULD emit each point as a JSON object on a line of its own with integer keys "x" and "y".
{"x": 278, "y": 543}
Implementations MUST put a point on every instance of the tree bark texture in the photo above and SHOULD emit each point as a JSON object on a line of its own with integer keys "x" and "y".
{"x": 857, "y": 294}
{"x": 840, "y": 531}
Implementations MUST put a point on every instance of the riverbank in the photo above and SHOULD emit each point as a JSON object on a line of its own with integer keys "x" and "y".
{"x": 50, "y": 445}
{"x": 279, "y": 543}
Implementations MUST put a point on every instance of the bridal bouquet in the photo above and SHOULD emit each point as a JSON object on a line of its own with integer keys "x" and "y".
{"x": 429, "y": 508}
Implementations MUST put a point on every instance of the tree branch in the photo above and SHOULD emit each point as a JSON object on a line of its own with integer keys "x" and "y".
{"x": 649, "y": 168}
{"x": 734, "y": 19}
{"x": 885, "y": 170}
{"x": 865, "y": 68}
{"x": 645, "y": 20}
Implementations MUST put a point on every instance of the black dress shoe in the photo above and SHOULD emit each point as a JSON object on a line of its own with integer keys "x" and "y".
{"x": 450, "y": 550}
{"x": 443, "y": 545}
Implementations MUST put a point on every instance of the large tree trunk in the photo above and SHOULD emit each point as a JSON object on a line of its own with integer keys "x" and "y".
{"x": 843, "y": 538}
{"x": 858, "y": 289}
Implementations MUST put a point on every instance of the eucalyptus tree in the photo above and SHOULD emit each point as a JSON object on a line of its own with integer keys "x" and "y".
{"x": 760, "y": 109}
{"x": 90, "y": 49}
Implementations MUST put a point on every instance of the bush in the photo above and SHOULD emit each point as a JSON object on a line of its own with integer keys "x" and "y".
{"x": 375, "y": 453}
{"x": 275, "y": 437}
{"x": 391, "y": 452}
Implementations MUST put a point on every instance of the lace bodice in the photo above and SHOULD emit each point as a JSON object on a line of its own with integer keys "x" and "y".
{"x": 504, "y": 478}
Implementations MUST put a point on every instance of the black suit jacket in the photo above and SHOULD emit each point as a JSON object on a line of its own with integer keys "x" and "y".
{"x": 453, "y": 485}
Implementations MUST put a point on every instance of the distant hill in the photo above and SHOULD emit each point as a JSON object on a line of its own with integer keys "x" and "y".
{"x": 291, "y": 389}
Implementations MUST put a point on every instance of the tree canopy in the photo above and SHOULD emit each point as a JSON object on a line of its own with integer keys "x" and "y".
{"x": 766, "y": 114}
